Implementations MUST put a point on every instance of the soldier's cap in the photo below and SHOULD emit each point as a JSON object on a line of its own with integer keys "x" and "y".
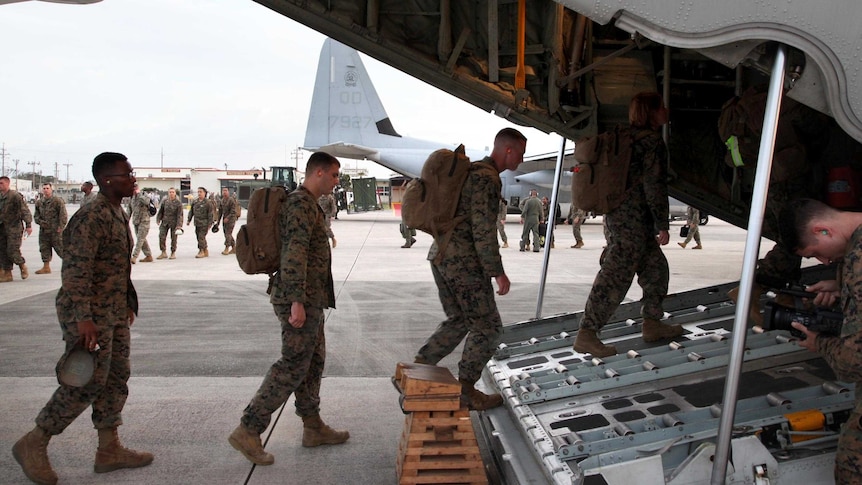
{"x": 76, "y": 367}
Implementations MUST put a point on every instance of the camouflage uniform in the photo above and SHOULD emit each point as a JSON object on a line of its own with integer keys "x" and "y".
{"x": 844, "y": 355}
{"x": 88, "y": 198}
{"x": 692, "y": 219}
{"x": 501, "y": 216}
{"x": 227, "y": 216}
{"x": 577, "y": 217}
{"x": 305, "y": 276}
{"x": 169, "y": 218}
{"x": 51, "y": 216}
{"x": 531, "y": 213}
{"x": 13, "y": 211}
{"x": 203, "y": 213}
{"x": 632, "y": 246}
{"x": 463, "y": 275}
{"x": 97, "y": 286}
{"x": 139, "y": 208}
{"x": 327, "y": 203}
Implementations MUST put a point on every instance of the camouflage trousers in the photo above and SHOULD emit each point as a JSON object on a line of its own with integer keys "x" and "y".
{"x": 201, "y": 233}
{"x": 327, "y": 225}
{"x": 530, "y": 228}
{"x": 141, "y": 231}
{"x": 848, "y": 458}
{"x": 693, "y": 232}
{"x": 407, "y": 232}
{"x": 227, "y": 227}
{"x": 164, "y": 229}
{"x": 501, "y": 229}
{"x": 468, "y": 300}
{"x": 50, "y": 239}
{"x": 10, "y": 247}
{"x": 106, "y": 392}
{"x": 632, "y": 250}
{"x": 576, "y": 231}
{"x": 299, "y": 371}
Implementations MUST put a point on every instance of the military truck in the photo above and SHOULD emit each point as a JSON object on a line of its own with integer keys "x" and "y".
{"x": 284, "y": 176}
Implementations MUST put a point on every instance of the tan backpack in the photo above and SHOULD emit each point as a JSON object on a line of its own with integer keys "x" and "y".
{"x": 258, "y": 243}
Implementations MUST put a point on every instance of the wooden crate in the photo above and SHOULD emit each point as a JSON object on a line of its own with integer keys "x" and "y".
{"x": 439, "y": 447}
{"x": 423, "y": 381}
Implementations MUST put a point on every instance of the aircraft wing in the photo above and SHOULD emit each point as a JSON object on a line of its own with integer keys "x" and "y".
{"x": 347, "y": 150}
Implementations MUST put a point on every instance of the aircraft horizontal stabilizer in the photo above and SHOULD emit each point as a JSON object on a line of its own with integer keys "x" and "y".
{"x": 347, "y": 150}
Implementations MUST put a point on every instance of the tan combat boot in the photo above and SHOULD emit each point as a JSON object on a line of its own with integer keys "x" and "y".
{"x": 232, "y": 250}
{"x": 315, "y": 433}
{"x": 698, "y": 247}
{"x": 754, "y": 315}
{"x": 206, "y": 253}
{"x": 173, "y": 255}
{"x": 200, "y": 254}
{"x": 112, "y": 455}
{"x": 588, "y": 342}
{"x": 46, "y": 269}
{"x": 477, "y": 400}
{"x": 31, "y": 452}
{"x": 164, "y": 255}
{"x": 681, "y": 244}
{"x": 654, "y": 330}
{"x": 134, "y": 260}
{"x": 5, "y": 276}
{"x": 579, "y": 245}
{"x": 24, "y": 272}
{"x": 148, "y": 259}
{"x": 248, "y": 443}
{"x": 505, "y": 245}
{"x": 226, "y": 251}
{"x": 334, "y": 242}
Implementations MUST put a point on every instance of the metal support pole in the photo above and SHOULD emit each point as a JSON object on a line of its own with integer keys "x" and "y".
{"x": 749, "y": 262}
{"x": 549, "y": 232}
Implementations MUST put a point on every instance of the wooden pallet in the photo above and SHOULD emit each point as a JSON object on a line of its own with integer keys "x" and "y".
{"x": 439, "y": 447}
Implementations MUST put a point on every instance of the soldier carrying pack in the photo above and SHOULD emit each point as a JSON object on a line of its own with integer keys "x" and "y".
{"x": 258, "y": 243}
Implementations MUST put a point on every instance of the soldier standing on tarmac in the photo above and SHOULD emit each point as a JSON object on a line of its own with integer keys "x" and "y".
{"x": 13, "y": 211}
{"x": 51, "y": 216}
{"x": 227, "y": 215}
{"x": 692, "y": 220}
{"x": 202, "y": 211}
{"x": 501, "y": 222}
{"x": 89, "y": 195}
{"x": 330, "y": 208}
{"x": 169, "y": 218}
{"x": 576, "y": 218}
{"x": 531, "y": 217}
{"x": 139, "y": 209}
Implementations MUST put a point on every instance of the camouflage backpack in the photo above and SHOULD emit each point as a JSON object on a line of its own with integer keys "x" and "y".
{"x": 258, "y": 242}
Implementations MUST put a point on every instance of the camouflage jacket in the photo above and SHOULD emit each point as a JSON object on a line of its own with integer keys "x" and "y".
{"x": 504, "y": 209}
{"x": 203, "y": 212}
{"x": 139, "y": 209}
{"x": 646, "y": 199}
{"x": 474, "y": 240}
{"x": 305, "y": 274}
{"x": 576, "y": 215}
{"x": 88, "y": 198}
{"x": 692, "y": 216}
{"x": 50, "y": 213}
{"x": 170, "y": 213}
{"x": 327, "y": 203}
{"x": 844, "y": 353}
{"x": 96, "y": 275}
{"x": 14, "y": 210}
{"x": 227, "y": 209}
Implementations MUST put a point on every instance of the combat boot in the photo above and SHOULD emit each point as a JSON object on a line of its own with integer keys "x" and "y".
{"x": 148, "y": 259}
{"x": 334, "y": 243}
{"x": 112, "y": 455}
{"x": 206, "y": 253}
{"x": 226, "y": 251}
{"x": 578, "y": 245}
{"x": 588, "y": 342}
{"x": 681, "y": 244}
{"x": 232, "y": 250}
{"x": 754, "y": 315}
{"x": 505, "y": 245}
{"x": 200, "y": 254}
{"x": 315, "y": 433}
{"x": 173, "y": 255}
{"x": 164, "y": 255}
{"x": 698, "y": 247}
{"x": 248, "y": 443}
{"x": 654, "y": 330}
{"x": 476, "y": 400}
{"x": 134, "y": 260}
{"x": 5, "y": 276}
{"x": 24, "y": 272}
{"x": 31, "y": 452}
{"x": 46, "y": 269}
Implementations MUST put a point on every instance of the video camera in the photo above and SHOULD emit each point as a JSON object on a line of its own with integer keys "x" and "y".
{"x": 821, "y": 320}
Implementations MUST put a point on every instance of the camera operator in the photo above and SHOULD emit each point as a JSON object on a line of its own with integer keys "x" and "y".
{"x": 814, "y": 230}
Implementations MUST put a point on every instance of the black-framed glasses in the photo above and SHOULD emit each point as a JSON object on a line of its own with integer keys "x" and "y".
{"x": 127, "y": 174}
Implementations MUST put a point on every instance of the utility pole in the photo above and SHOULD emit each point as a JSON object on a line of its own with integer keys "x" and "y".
{"x": 33, "y": 172}
{"x": 56, "y": 171}
{"x": 162, "y": 162}
{"x": 297, "y": 156}
{"x": 3, "y": 154}
{"x": 67, "y": 171}
{"x": 15, "y": 161}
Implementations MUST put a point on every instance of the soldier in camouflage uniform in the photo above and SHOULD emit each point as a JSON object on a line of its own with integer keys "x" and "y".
{"x": 692, "y": 220}
{"x": 203, "y": 212}
{"x": 576, "y": 218}
{"x": 301, "y": 291}
{"x": 227, "y": 215}
{"x": 814, "y": 230}
{"x": 169, "y": 218}
{"x": 632, "y": 245}
{"x": 51, "y": 216}
{"x": 501, "y": 222}
{"x": 139, "y": 211}
{"x": 464, "y": 269}
{"x": 89, "y": 195}
{"x": 327, "y": 203}
{"x": 13, "y": 211}
{"x": 96, "y": 306}
{"x": 531, "y": 217}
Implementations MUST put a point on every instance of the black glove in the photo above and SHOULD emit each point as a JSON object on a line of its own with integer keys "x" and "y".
{"x": 215, "y": 228}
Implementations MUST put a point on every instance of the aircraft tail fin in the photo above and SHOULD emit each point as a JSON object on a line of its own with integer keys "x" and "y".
{"x": 345, "y": 107}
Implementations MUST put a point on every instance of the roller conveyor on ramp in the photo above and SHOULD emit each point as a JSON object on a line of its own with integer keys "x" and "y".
{"x": 650, "y": 414}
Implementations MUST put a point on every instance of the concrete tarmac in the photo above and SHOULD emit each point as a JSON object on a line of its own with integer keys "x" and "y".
{"x": 206, "y": 335}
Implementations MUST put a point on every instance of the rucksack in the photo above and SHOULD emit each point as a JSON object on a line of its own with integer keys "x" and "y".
{"x": 258, "y": 243}
{"x": 430, "y": 201}
{"x": 599, "y": 179}
{"x": 238, "y": 208}
{"x": 151, "y": 208}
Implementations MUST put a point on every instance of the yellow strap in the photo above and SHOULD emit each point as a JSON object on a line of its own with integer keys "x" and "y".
{"x": 733, "y": 146}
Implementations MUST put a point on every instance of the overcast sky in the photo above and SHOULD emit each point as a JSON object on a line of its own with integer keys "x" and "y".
{"x": 209, "y": 82}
